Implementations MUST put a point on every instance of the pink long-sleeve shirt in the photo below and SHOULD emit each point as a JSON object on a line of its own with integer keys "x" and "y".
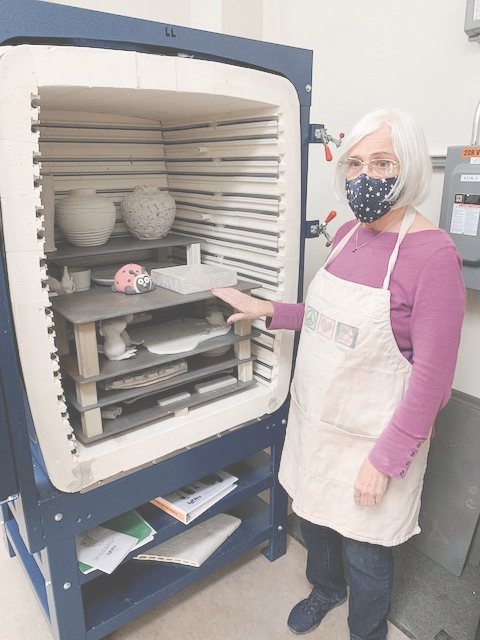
{"x": 427, "y": 308}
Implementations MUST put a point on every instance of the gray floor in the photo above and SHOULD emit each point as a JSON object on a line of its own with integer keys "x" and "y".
{"x": 248, "y": 600}
{"x": 429, "y": 602}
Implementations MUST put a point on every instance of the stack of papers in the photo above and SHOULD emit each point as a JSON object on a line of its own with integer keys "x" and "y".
{"x": 105, "y": 546}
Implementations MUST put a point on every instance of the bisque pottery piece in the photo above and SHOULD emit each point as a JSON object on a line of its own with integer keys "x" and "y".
{"x": 178, "y": 336}
{"x": 59, "y": 287}
{"x": 215, "y": 318}
{"x": 84, "y": 218}
{"x": 80, "y": 278}
{"x": 193, "y": 278}
{"x": 67, "y": 284}
{"x": 132, "y": 278}
{"x": 148, "y": 212}
{"x": 111, "y": 413}
{"x": 146, "y": 377}
{"x": 117, "y": 343}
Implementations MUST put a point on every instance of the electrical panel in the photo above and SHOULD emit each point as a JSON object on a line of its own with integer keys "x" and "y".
{"x": 460, "y": 211}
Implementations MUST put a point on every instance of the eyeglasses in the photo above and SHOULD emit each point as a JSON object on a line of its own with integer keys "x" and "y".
{"x": 377, "y": 168}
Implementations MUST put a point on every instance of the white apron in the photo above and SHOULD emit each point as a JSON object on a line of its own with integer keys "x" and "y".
{"x": 349, "y": 378}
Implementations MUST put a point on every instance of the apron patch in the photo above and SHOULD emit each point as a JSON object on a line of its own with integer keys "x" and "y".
{"x": 346, "y": 335}
{"x": 326, "y": 326}
{"x": 339, "y": 332}
{"x": 310, "y": 318}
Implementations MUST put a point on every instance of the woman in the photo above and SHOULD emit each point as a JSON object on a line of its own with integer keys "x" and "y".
{"x": 380, "y": 329}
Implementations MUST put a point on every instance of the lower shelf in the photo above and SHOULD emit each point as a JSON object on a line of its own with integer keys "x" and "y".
{"x": 254, "y": 476}
{"x": 134, "y": 588}
{"x": 111, "y": 601}
{"x": 90, "y": 607}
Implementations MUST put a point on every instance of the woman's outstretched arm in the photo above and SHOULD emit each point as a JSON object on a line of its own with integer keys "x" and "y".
{"x": 247, "y": 307}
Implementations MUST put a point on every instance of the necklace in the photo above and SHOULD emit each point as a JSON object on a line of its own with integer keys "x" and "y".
{"x": 357, "y": 246}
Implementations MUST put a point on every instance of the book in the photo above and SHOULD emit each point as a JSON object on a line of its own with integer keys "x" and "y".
{"x": 193, "y": 499}
{"x": 194, "y": 546}
{"x": 103, "y": 549}
{"x": 106, "y": 540}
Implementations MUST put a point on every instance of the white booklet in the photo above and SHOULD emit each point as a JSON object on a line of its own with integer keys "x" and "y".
{"x": 194, "y": 546}
{"x": 104, "y": 545}
{"x": 191, "y": 500}
{"x": 103, "y": 548}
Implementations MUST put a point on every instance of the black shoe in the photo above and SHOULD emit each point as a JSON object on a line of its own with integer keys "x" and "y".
{"x": 307, "y": 614}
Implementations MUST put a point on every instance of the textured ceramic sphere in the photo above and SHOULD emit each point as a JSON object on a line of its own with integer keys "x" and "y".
{"x": 148, "y": 212}
{"x": 85, "y": 219}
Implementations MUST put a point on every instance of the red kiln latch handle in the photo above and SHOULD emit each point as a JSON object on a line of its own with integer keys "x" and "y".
{"x": 323, "y": 227}
{"x": 318, "y": 133}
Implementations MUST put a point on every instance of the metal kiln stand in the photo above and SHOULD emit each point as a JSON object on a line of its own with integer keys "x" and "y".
{"x": 40, "y": 521}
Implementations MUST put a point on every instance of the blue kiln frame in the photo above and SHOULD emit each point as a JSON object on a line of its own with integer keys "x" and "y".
{"x": 40, "y": 522}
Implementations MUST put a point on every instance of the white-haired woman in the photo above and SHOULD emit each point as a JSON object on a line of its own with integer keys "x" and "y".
{"x": 380, "y": 330}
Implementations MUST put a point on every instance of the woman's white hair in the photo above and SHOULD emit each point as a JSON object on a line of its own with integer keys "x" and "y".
{"x": 410, "y": 148}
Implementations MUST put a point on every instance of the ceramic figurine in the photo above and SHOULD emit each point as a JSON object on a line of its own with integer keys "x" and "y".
{"x": 125, "y": 337}
{"x": 215, "y": 317}
{"x": 60, "y": 287}
{"x": 54, "y": 286}
{"x": 132, "y": 278}
{"x": 117, "y": 343}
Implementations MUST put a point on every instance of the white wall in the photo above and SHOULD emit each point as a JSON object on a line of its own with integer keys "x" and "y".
{"x": 412, "y": 55}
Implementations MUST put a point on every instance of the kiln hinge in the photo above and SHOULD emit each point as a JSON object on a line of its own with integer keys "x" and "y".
{"x": 312, "y": 228}
{"x": 316, "y": 132}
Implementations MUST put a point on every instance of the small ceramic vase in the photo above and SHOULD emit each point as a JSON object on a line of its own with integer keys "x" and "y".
{"x": 68, "y": 285}
{"x": 85, "y": 219}
{"x": 148, "y": 212}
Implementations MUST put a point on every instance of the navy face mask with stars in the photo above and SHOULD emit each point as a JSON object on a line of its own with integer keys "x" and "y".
{"x": 366, "y": 197}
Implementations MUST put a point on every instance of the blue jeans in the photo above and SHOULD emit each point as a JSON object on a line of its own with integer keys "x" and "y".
{"x": 370, "y": 577}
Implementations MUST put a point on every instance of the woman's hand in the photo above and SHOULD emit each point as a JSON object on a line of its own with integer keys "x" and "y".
{"x": 370, "y": 485}
{"x": 248, "y": 308}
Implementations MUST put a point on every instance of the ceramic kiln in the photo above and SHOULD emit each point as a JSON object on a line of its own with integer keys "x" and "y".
{"x": 104, "y": 102}
{"x": 224, "y": 141}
